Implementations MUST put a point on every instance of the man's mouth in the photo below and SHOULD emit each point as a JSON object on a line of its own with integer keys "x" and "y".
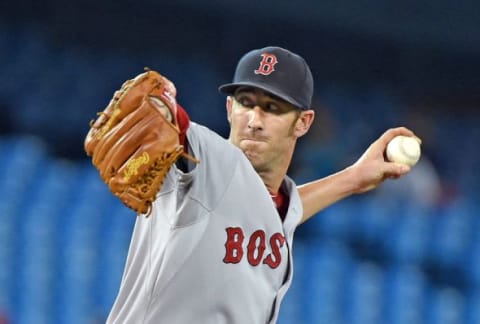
{"x": 254, "y": 138}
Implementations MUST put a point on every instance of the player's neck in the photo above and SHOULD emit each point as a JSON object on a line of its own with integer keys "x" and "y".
{"x": 274, "y": 175}
{"x": 272, "y": 181}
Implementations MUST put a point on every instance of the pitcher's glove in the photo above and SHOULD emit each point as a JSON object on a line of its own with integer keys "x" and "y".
{"x": 135, "y": 140}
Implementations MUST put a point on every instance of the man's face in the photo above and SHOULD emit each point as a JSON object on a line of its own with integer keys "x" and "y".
{"x": 263, "y": 127}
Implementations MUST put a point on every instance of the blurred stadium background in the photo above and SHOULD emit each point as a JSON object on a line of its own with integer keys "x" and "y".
{"x": 406, "y": 253}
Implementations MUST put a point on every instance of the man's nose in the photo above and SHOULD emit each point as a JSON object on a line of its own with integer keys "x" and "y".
{"x": 255, "y": 118}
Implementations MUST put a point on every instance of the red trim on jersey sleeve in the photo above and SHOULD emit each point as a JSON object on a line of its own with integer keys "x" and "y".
{"x": 183, "y": 122}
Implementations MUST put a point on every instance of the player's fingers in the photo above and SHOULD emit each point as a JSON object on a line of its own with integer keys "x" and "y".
{"x": 395, "y": 170}
{"x": 388, "y": 135}
{"x": 380, "y": 145}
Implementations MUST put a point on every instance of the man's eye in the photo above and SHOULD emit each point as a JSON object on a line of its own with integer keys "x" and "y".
{"x": 272, "y": 108}
{"x": 245, "y": 102}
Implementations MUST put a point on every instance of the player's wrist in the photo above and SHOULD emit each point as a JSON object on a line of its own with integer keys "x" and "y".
{"x": 352, "y": 183}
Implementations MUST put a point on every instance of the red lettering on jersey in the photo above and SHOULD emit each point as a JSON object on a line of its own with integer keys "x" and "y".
{"x": 256, "y": 243}
{"x": 256, "y": 247}
{"x": 274, "y": 259}
{"x": 233, "y": 245}
{"x": 267, "y": 65}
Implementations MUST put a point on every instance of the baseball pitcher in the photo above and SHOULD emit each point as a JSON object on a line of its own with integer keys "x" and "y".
{"x": 213, "y": 239}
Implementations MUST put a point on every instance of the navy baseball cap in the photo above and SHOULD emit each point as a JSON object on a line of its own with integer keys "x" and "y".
{"x": 277, "y": 71}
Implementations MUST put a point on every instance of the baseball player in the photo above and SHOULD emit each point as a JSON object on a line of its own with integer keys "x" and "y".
{"x": 217, "y": 245}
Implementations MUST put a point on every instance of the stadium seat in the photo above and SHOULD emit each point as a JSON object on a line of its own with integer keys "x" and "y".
{"x": 452, "y": 233}
{"x": 445, "y": 305}
{"x": 364, "y": 300}
{"x": 472, "y": 308}
{"x": 405, "y": 294}
{"x": 407, "y": 240}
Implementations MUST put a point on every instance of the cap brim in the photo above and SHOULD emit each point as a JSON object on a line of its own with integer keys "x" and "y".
{"x": 230, "y": 88}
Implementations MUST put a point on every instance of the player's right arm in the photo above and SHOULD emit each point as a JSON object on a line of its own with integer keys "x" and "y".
{"x": 364, "y": 175}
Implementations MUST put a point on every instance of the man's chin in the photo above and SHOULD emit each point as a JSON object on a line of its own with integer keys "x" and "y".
{"x": 254, "y": 160}
{"x": 250, "y": 155}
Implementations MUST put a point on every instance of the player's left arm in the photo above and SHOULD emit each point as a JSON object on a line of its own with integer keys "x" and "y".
{"x": 367, "y": 173}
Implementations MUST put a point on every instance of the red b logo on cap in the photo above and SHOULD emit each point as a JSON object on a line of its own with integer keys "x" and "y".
{"x": 267, "y": 65}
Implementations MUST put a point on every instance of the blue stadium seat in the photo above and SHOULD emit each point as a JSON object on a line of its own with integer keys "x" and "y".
{"x": 325, "y": 272}
{"x": 336, "y": 221}
{"x": 364, "y": 300}
{"x": 472, "y": 264}
{"x": 25, "y": 156}
{"x": 34, "y": 282}
{"x": 452, "y": 233}
{"x": 316, "y": 292}
{"x": 471, "y": 261}
{"x": 76, "y": 284}
{"x": 113, "y": 247}
{"x": 23, "y": 152}
{"x": 472, "y": 308}
{"x": 407, "y": 240}
{"x": 405, "y": 290}
{"x": 8, "y": 220}
{"x": 445, "y": 305}
{"x": 292, "y": 309}
{"x": 375, "y": 218}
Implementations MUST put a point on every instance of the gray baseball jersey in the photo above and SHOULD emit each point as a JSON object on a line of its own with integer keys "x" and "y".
{"x": 214, "y": 249}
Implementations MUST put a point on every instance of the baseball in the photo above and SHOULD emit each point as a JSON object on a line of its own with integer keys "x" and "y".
{"x": 404, "y": 150}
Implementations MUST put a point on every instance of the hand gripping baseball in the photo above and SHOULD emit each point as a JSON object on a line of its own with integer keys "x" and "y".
{"x": 135, "y": 140}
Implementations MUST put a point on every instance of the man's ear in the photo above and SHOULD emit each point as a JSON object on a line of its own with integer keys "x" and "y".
{"x": 229, "y": 105}
{"x": 303, "y": 123}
